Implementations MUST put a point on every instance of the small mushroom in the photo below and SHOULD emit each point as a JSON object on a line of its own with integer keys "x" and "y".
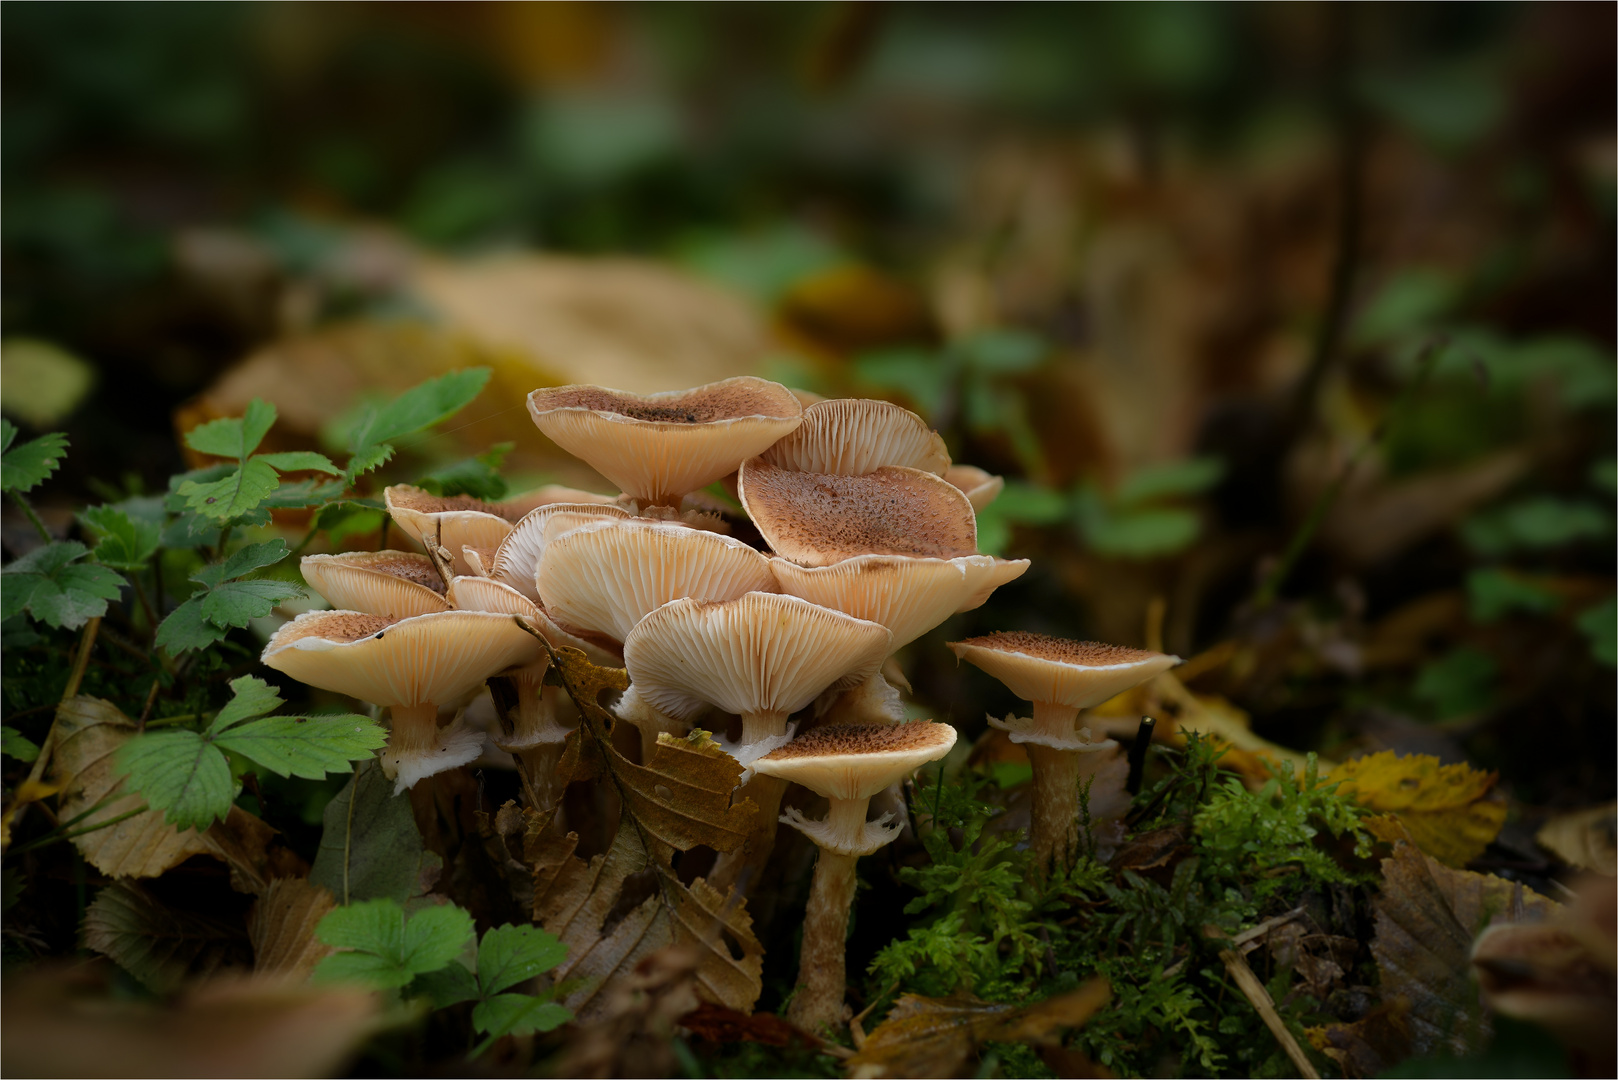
{"x": 1060, "y": 677}
{"x": 397, "y": 584}
{"x": 981, "y": 488}
{"x": 847, "y": 764}
{"x": 660, "y": 447}
{"x": 855, "y": 436}
{"x": 450, "y": 522}
{"x": 410, "y": 665}
{"x": 513, "y": 563}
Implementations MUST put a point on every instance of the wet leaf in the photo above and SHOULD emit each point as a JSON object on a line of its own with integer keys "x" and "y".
{"x": 162, "y": 947}
{"x": 1444, "y": 807}
{"x": 14, "y": 744}
{"x": 508, "y": 955}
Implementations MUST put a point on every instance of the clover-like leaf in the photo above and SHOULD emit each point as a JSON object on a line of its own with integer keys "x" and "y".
{"x": 384, "y": 948}
{"x": 26, "y": 466}
{"x": 419, "y": 407}
{"x": 186, "y": 628}
{"x": 306, "y": 746}
{"x": 516, "y": 1014}
{"x": 233, "y": 437}
{"x": 125, "y": 542}
{"x": 181, "y": 774}
{"x": 236, "y": 603}
{"x": 53, "y": 586}
{"x": 237, "y": 493}
{"x": 250, "y": 697}
{"x": 509, "y": 955}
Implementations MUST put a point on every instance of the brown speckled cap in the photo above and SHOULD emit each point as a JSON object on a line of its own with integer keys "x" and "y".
{"x": 518, "y": 555}
{"x": 457, "y": 521}
{"x": 1078, "y": 674}
{"x": 981, "y": 488}
{"x": 659, "y": 447}
{"x": 397, "y": 584}
{"x": 816, "y": 519}
{"x": 855, "y": 436}
{"x": 855, "y": 761}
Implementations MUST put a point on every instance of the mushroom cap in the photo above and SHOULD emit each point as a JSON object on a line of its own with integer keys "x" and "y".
{"x": 816, "y": 519}
{"x": 761, "y": 653}
{"x": 659, "y": 447}
{"x": 981, "y": 487}
{"x": 456, "y": 521}
{"x": 518, "y": 555}
{"x": 609, "y": 575}
{"x": 485, "y": 594}
{"x": 908, "y": 596}
{"x": 855, "y": 761}
{"x": 397, "y": 584}
{"x": 425, "y": 658}
{"x": 855, "y": 436}
{"x": 1041, "y": 668}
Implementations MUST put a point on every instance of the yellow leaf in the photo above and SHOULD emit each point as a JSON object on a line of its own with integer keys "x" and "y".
{"x": 1443, "y": 806}
{"x": 28, "y": 791}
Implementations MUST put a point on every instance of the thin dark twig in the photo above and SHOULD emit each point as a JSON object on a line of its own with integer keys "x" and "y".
{"x": 1137, "y": 753}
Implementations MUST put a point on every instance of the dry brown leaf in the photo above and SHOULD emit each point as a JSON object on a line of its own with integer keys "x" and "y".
{"x": 938, "y": 1036}
{"x": 681, "y": 799}
{"x": 89, "y": 732}
{"x": 223, "y": 1028}
{"x": 633, "y": 1029}
{"x": 1584, "y": 838}
{"x": 717, "y": 1024}
{"x": 162, "y": 946}
{"x": 282, "y": 928}
{"x": 1444, "y": 807}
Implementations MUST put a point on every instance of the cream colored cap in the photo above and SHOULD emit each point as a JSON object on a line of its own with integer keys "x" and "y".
{"x": 426, "y": 658}
{"x": 518, "y": 555}
{"x": 1079, "y": 674}
{"x": 817, "y": 519}
{"x": 908, "y": 596}
{"x": 486, "y": 594}
{"x": 659, "y": 447}
{"x": 980, "y": 487}
{"x": 456, "y": 521}
{"x": 855, "y": 436}
{"x": 609, "y": 575}
{"x": 397, "y": 584}
{"x": 855, "y": 761}
{"x": 761, "y": 653}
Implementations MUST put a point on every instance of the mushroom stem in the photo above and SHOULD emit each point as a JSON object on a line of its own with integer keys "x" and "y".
{"x": 1054, "y": 836}
{"x": 414, "y": 729}
{"x": 535, "y": 736}
{"x": 756, "y": 727}
{"x": 417, "y": 748}
{"x": 1054, "y": 720}
{"x": 818, "y": 1002}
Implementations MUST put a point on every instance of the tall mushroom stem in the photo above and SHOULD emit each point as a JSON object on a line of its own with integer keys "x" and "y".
{"x": 1058, "y": 771}
{"x": 818, "y": 1002}
{"x": 417, "y": 748}
{"x": 534, "y": 735}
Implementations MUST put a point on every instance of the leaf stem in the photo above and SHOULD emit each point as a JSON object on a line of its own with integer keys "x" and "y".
{"x": 28, "y": 512}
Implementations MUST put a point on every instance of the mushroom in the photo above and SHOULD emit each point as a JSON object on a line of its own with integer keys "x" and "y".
{"x": 397, "y": 584}
{"x": 763, "y": 657}
{"x": 816, "y": 519}
{"x": 847, "y": 764}
{"x": 909, "y": 596}
{"x": 513, "y": 563}
{"x": 448, "y": 522}
{"x": 980, "y": 487}
{"x": 660, "y": 447}
{"x": 1060, "y": 677}
{"x": 855, "y": 436}
{"x": 411, "y": 665}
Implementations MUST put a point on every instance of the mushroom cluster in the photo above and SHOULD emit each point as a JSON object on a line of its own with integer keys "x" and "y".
{"x": 869, "y": 540}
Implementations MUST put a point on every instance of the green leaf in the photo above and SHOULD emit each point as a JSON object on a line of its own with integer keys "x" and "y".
{"x": 512, "y": 954}
{"x": 233, "y": 437}
{"x": 1189, "y": 477}
{"x": 1002, "y": 352}
{"x": 1600, "y": 625}
{"x": 1604, "y": 476}
{"x": 367, "y": 458}
{"x": 250, "y": 697}
{"x": 419, "y": 407}
{"x": 244, "y": 560}
{"x": 304, "y": 493}
{"x": 300, "y": 461}
{"x": 236, "y": 603}
{"x": 1411, "y": 302}
{"x": 15, "y": 744}
{"x": 1460, "y": 682}
{"x": 388, "y": 948}
{"x": 516, "y": 1014}
{"x": 1539, "y": 522}
{"x": 477, "y": 476}
{"x": 920, "y": 375}
{"x": 239, "y": 492}
{"x": 310, "y": 746}
{"x": 53, "y": 587}
{"x": 449, "y": 985}
{"x": 186, "y": 629}
{"x": 126, "y": 543}
{"x": 1134, "y": 534}
{"x": 179, "y": 773}
{"x": 372, "y": 849}
{"x": 25, "y": 467}
{"x": 1495, "y": 593}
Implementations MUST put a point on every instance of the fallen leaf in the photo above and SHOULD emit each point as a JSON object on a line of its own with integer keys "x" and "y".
{"x": 717, "y": 1024}
{"x": 282, "y": 925}
{"x": 632, "y": 1030}
{"x": 937, "y": 1036}
{"x": 27, "y": 792}
{"x": 1443, "y": 806}
{"x": 370, "y": 847}
{"x": 160, "y": 945}
{"x": 1584, "y": 838}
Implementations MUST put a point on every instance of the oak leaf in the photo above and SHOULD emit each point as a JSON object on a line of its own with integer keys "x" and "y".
{"x": 1444, "y": 807}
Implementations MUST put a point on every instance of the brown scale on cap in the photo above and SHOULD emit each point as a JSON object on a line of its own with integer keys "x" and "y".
{"x": 416, "y": 570}
{"x": 705, "y": 404}
{"x": 862, "y": 739}
{"x": 344, "y": 626}
{"x": 426, "y": 502}
{"x": 1063, "y": 650}
{"x": 817, "y": 519}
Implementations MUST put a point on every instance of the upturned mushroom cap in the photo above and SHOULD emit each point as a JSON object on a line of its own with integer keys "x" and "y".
{"x": 456, "y": 521}
{"x": 908, "y": 596}
{"x": 1077, "y": 674}
{"x": 659, "y": 447}
{"x": 855, "y": 761}
{"x": 609, "y": 575}
{"x": 518, "y": 555}
{"x": 397, "y": 584}
{"x": 816, "y": 519}
{"x": 762, "y": 653}
{"x": 485, "y": 594}
{"x": 981, "y": 487}
{"x": 426, "y": 658}
{"x": 855, "y": 436}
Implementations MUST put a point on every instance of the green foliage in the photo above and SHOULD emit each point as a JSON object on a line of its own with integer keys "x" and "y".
{"x": 1537, "y": 522}
{"x": 1459, "y": 682}
{"x": 371, "y": 435}
{"x": 1496, "y": 593}
{"x": 241, "y": 490}
{"x": 1600, "y": 626}
{"x": 124, "y": 542}
{"x": 371, "y": 848}
{"x": 25, "y": 467}
{"x": 477, "y": 476}
{"x": 54, "y": 587}
{"x": 382, "y": 947}
{"x": 14, "y": 744}
{"x": 225, "y": 601}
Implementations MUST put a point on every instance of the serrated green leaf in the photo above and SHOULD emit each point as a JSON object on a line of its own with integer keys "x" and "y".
{"x": 126, "y": 543}
{"x": 25, "y": 467}
{"x": 421, "y": 406}
{"x": 304, "y": 493}
{"x": 516, "y": 1014}
{"x": 477, "y": 476}
{"x": 236, "y": 603}
{"x": 389, "y": 949}
{"x": 367, "y": 458}
{"x": 309, "y": 747}
{"x": 186, "y": 629}
{"x": 244, "y": 560}
{"x": 300, "y": 461}
{"x": 250, "y": 697}
{"x": 233, "y": 437}
{"x": 53, "y": 587}
{"x": 236, "y": 494}
{"x": 181, "y": 774}
{"x": 449, "y": 985}
{"x": 509, "y": 955}
{"x": 17, "y": 745}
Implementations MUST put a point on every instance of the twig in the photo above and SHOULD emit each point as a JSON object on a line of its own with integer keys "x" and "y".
{"x": 1258, "y": 930}
{"x": 151, "y": 700}
{"x": 1137, "y": 753}
{"x": 1259, "y": 998}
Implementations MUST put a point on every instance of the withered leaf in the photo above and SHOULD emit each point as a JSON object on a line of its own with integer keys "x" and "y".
{"x": 1443, "y": 806}
{"x": 371, "y": 847}
{"x": 159, "y": 945}
{"x": 282, "y": 928}
{"x": 1584, "y": 838}
{"x": 937, "y": 1036}
{"x": 627, "y": 904}
{"x": 717, "y": 1024}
